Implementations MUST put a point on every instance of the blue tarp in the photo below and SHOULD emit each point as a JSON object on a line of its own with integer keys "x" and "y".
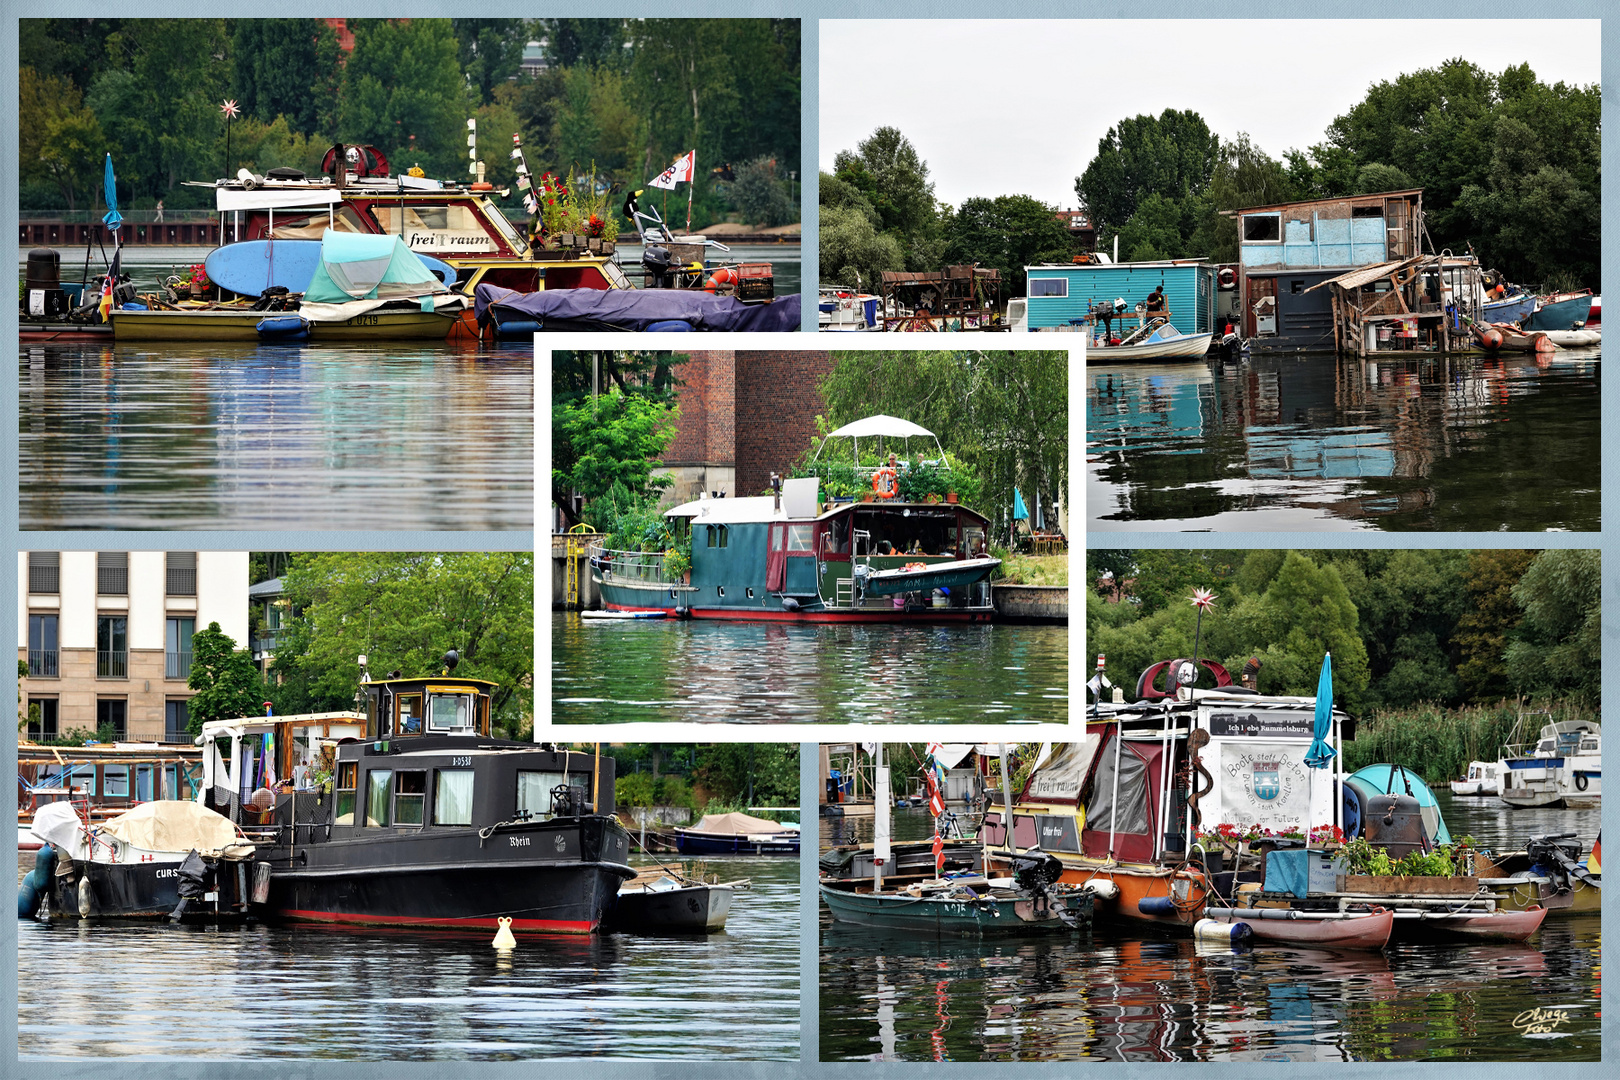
{"x": 634, "y": 309}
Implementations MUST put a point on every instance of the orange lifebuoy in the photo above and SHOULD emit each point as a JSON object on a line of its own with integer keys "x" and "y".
{"x": 885, "y": 483}
{"x": 723, "y": 276}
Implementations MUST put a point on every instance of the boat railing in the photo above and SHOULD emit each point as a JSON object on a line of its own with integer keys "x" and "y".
{"x": 640, "y": 566}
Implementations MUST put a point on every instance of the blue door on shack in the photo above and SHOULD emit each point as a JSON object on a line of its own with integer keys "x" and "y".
{"x": 1060, "y": 294}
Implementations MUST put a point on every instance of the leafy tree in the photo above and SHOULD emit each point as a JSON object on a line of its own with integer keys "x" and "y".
{"x": 60, "y": 142}
{"x": 646, "y": 373}
{"x": 1558, "y": 647}
{"x": 852, "y": 251}
{"x": 610, "y": 440}
{"x": 761, "y": 196}
{"x": 593, "y": 43}
{"x": 1482, "y": 632}
{"x": 404, "y": 92}
{"x": 286, "y": 67}
{"x": 490, "y": 51}
{"x": 227, "y": 684}
{"x": 730, "y": 771}
{"x": 1306, "y": 612}
{"x": 72, "y": 49}
{"x": 1006, "y": 233}
{"x": 1408, "y": 604}
{"x": 886, "y": 169}
{"x": 403, "y": 611}
{"x": 1173, "y": 154}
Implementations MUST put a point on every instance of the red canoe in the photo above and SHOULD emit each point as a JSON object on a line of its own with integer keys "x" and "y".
{"x": 1358, "y": 930}
{"x": 1499, "y": 925}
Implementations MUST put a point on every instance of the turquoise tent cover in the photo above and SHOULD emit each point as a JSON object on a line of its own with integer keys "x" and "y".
{"x": 367, "y": 267}
{"x": 1384, "y": 779}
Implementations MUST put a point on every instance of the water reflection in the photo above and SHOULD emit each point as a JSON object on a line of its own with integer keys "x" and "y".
{"x": 224, "y": 435}
{"x": 710, "y": 670}
{"x": 1441, "y": 443}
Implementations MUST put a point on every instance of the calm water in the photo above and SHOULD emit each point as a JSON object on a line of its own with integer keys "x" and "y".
{"x": 200, "y": 435}
{"x": 260, "y": 993}
{"x": 1459, "y": 444}
{"x": 1110, "y": 996}
{"x": 708, "y": 670}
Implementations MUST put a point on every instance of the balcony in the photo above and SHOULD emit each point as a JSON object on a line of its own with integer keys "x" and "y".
{"x": 112, "y": 663}
{"x": 177, "y": 665}
{"x": 42, "y": 664}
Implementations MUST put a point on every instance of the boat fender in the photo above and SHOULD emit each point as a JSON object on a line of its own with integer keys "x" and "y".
{"x": 1156, "y": 905}
{"x": 669, "y": 326}
{"x": 1580, "y": 781}
{"x": 85, "y": 897}
{"x": 36, "y": 883}
{"x": 517, "y": 328}
{"x": 1103, "y": 888}
{"x": 683, "y": 612}
{"x": 1215, "y": 930}
{"x": 885, "y": 483}
{"x": 789, "y": 604}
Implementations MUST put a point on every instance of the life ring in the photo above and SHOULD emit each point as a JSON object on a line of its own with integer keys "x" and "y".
{"x": 1580, "y": 781}
{"x": 885, "y": 483}
{"x": 723, "y": 276}
{"x": 1227, "y": 278}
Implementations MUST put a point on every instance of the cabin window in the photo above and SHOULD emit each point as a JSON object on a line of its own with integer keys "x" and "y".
{"x": 450, "y": 227}
{"x": 973, "y": 537}
{"x": 534, "y": 792}
{"x": 1052, "y": 286}
{"x": 725, "y": 532}
{"x": 1262, "y": 228}
{"x": 115, "y": 781}
{"x": 305, "y": 226}
{"x": 750, "y": 594}
{"x": 452, "y": 797}
{"x": 1296, "y": 286}
{"x": 720, "y": 590}
{"x": 379, "y": 786}
{"x": 801, "y": 537}
{"x": 410, "y": 793}
{"x": 1376, "y": 211}
{"x": 451, "y": 712}
{"x": 709, "y": 532}
{"x": 346, "y": 776}
{"x": 1025, "y": 833}
{"x": 410, "y": 714}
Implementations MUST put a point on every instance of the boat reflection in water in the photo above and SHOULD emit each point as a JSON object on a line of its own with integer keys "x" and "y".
{"x": 903, "y": 997}
{"x": 1464, "y": 443}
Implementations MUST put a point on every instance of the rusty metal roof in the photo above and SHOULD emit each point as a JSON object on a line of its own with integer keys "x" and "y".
{"x": 1360, "y": 276}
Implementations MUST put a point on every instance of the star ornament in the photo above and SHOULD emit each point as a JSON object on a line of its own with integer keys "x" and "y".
{"x": 230, "y": 110}
{"x": 1203, "y": 599}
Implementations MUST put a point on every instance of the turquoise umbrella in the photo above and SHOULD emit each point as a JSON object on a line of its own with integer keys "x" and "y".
{"x": 113, "y": 218}
{"x": 1320, "y": 753}
{"x": 1020, "y": 511}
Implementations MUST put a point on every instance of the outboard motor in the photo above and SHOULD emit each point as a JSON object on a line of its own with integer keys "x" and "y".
{"x": 659, "y": 265}
{"x": 1035, "y": 870}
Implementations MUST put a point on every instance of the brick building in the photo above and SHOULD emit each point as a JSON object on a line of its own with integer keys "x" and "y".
{"x": 107, "y": 635}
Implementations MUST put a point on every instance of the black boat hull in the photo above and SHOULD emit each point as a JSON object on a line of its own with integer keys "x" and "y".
{"x": 145, "y": 891}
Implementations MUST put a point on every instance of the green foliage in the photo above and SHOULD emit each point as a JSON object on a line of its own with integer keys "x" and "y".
{"x": 490, "y": 51}
{"x": 227, "y": 684}
{"x": 635, "y": 789}
{"x": 1559, "y": 645}
{"x": 404, "y": 610}
{"x": 762, "y": 194}
{"x": 852, "y": 252}
{"x": 1433, "y": 741}
{"x": 60, "y": 142}
{"x": 729, "y": 770}
{"x": 1490, "y": 617}
{"x": 887, "y": 171}
{"x": 1173, "y": 154}
{"x": 404, "y": 92}
{"x": 1006, "y": 233}
{"x": 610, "y": 440}
{"x": 286, "y": 68}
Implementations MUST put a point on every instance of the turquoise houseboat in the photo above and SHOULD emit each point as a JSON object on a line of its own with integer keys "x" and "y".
{"x": 790, "y": 557}
{"x": 1060, "y": 294}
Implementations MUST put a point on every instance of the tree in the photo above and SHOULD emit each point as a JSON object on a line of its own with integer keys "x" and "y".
{"x": 852, "y": 252}
{"x": 286, "y": 67}
{"x": 758, "y": 774}
{"x": 1482, "y": 632}
{"x": 403, "y": 611}
{"x": 1558, "y": 647}
{"x": 404, "y": 92}
{"x": 1007, "y": 233}
{"x": 60, "y": 142}
{"x": 1172, "y": 154}
{"x": 490, "y": 51}
{"x": 227, "y": 684}
{"x": 593, "y": 43}
{"x": 886, "y": 169}
{"x": 613, "y": 439}
{"x": 1305, "y": 612}
{"x": 761, "y": 196}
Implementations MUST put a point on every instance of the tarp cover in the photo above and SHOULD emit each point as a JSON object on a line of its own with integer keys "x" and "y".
{"x": 890, "y": 426}
{"x": 636, "y": 309}
{"x": 365, "y": 267}
{"x": 168, "y": 825}
{"x": 1063, "y": 776}
{"x": 735, "y": 824}
{"x": 57, "y": 823}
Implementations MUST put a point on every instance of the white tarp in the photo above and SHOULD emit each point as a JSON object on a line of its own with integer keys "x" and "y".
{"x": 275, "y": 198}
{"x": 1063, "y": 775}
{"x": 172, "y": 826}
{"x": 735, "y": 824}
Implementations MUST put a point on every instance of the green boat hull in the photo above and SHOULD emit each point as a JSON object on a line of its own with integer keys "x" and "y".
{"x": 946, "y": 917}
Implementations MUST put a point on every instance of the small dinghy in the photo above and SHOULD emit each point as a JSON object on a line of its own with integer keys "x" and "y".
{"x": 592, "y": 616}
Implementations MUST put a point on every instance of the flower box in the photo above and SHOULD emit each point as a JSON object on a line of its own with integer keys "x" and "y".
{"x": 1393, "y": 885}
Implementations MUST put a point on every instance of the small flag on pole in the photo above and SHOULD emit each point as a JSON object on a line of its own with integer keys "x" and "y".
{"x": 681, "y": 170}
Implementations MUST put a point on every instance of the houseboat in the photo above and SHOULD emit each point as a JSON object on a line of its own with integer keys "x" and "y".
{"x": 793, "y": 558}
{"x": 737, "y": 834}
{"x": 1563, "y": 768}
{"x": 1480, "y": 779}
{"x": 410, "y": 814}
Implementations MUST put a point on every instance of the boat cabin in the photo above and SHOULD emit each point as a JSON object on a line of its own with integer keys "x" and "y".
{"x": 1063, "y": 295}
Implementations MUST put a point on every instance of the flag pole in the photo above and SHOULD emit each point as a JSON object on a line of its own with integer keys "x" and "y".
{"x": 691, "y": 182}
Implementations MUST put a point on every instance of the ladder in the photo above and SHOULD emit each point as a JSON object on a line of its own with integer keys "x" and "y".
{"x": 578, "y": 541}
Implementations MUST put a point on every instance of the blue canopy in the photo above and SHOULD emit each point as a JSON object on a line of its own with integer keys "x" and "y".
{"x": 112, "y": 217}
{"x": 634, "y": 309}
{"x": 1320, "y": 755}
{"x": 1397, "y": 780}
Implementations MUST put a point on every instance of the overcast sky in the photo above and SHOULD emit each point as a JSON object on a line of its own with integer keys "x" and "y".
{"x": 1017, "y": 107}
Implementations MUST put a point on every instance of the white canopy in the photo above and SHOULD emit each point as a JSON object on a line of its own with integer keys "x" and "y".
{"x": 880, "y": 427}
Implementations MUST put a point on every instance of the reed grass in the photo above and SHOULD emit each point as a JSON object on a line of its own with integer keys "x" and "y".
{"x": 1438, "y": 742}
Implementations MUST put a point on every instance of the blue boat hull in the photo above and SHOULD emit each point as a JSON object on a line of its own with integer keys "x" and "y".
{"x": 712, "y": 844}
{"x": 1563, "y": 315}
{"x": 1510, "y": 310}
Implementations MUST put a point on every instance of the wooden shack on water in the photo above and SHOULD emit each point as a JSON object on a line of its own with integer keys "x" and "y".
{"x": 955, "y": 298}
{"x": 1417, "y": 304}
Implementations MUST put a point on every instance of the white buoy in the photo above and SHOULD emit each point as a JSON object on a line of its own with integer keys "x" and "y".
{"x": 503, "y": 936}
{"x": 1214, "y": 930}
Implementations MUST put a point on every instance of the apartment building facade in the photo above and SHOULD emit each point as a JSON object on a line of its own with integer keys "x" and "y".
{"x": 107, "y": 636}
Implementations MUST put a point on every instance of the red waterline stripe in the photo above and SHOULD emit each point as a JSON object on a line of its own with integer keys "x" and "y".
{"x": 556, "y": 926}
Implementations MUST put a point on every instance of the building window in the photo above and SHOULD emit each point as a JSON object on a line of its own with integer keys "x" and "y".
{"x": 181, "y": 573}
{"x": 452, "y": 797}
{"x": 112, "y": 647}
{"x": 42, "y": 649}
{"x": 177, "y": 647}
{"x": 45, "y": 572}
{"x": 42, "y": 719}
{"x": 176, "y": 721}
{"x": 1048, "y": 286}
{"x": 110, "y": 714}
{"x": 112, "y": 573}
{"x": 1262, "y": 228}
